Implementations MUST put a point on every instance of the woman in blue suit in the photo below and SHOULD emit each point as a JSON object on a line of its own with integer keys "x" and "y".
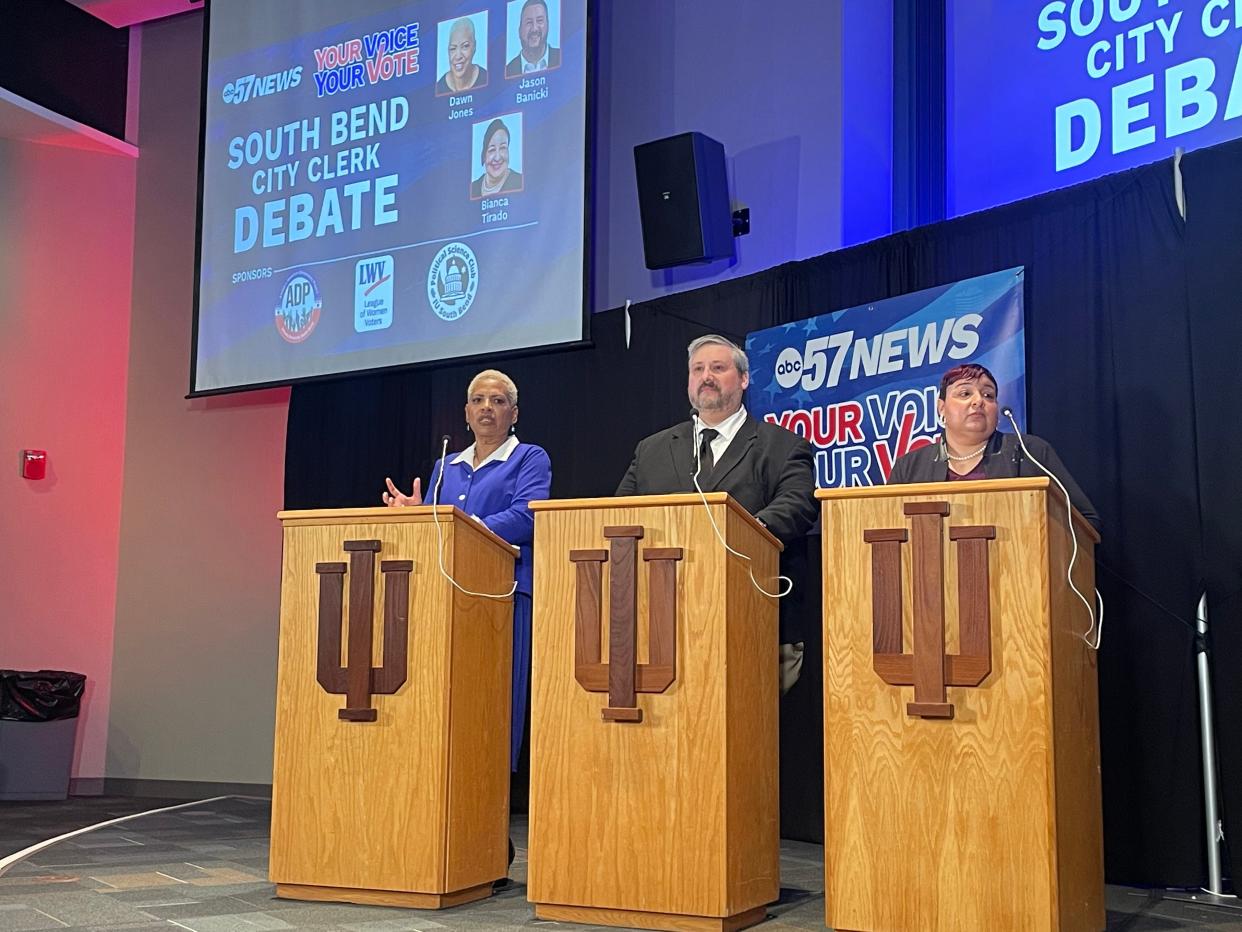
{"x": 493, "y": 480}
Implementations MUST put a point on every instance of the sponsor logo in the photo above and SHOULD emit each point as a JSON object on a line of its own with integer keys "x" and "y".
{"x": 373, "y": 294}
{"x": 299, "y": 307}
{"x": 452, "y": 281}
{"x": 250, "y": 86}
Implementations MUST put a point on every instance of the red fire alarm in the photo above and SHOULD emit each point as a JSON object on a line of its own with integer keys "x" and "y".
{"x": 34, "y": 464}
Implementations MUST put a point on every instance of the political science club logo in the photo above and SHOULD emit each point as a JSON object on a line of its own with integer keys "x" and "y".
{"x": 299, "y": 307}
{"x": 452, "y": 281}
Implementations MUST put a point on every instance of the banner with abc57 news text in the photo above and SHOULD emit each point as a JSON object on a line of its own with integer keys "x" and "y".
{"x": 861, "y": 384}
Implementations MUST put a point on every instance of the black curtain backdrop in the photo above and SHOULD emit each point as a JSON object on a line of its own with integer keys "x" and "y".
{"x": 1214, "y": 298}
{"x": 1130, "y": 368}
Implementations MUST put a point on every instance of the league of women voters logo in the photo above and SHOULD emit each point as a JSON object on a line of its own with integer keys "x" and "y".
{"x": 622, "y": 676}
{"x": 298, "y": 308}
{"x": 928, "y": 668}
{"x": 358, "y": 680}
{"x": 453, "y": 281}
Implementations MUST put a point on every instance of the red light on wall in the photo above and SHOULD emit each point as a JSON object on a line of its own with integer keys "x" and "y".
{"x": 34, "y": 464}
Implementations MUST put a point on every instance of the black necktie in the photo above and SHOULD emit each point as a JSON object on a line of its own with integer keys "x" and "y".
{"x": 706, "y": 460}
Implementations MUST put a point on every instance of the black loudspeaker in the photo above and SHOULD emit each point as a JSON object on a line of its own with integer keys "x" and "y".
{"x": 683, "y": 198}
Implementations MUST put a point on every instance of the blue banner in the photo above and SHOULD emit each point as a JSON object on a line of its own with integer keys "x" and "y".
{"x": 861, "y": 384}
{"x": 1048, "y": 93}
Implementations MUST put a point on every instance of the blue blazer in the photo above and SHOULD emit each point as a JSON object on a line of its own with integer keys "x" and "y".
{"x": 498, "y": 494}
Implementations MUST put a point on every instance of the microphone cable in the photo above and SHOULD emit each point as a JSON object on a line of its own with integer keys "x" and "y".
{"x": 1097, "y": 628}
{"x": 698, "y": 465}
{"x": 435, "y": 514}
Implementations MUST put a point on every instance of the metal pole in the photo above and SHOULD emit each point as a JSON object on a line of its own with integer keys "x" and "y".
{"x": 1215, "y": 832}
{"x": 1213, "y": 894}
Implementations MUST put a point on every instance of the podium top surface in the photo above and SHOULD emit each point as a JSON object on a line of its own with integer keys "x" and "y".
{"x": 414, "y": 514}
{"x": 678, "y": 500}
{"x": 974, "y": 486}
{"x": 936, "y": 488}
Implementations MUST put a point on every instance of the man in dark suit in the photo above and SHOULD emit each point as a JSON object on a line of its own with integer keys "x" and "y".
{"x": 767, "y": 469}
{"x": 536, "y": 54}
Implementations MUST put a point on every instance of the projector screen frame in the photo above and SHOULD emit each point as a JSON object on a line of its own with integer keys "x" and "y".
{"x": 590, "y": 87}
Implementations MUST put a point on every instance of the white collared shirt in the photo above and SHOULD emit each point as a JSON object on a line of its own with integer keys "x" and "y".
{"x": 500, "y": 454}
{"x": 726, "y": 431}
{"x": 541, "y": 65}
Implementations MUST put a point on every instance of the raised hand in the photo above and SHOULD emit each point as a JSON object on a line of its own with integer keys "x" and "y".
{"x": 394, "y": 498}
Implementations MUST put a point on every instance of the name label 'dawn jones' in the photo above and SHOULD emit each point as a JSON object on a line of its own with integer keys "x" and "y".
{"x": 494, "y": 209}
{"x": 460, "y": 107}
{"x": 532, "y": 89}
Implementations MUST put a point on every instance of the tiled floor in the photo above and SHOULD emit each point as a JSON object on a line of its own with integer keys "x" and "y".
{"x": 204, "y": 869}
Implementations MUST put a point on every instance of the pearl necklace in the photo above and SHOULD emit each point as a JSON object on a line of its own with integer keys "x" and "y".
{"x": 968, "y": 456}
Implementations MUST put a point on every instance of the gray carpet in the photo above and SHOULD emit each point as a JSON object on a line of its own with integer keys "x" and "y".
{"x": 204, "y": 869}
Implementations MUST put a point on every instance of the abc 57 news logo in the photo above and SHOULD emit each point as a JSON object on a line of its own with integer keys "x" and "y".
{"x": 789, "y": 367}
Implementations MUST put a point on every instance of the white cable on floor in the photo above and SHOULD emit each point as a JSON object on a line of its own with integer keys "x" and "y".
{"x": 13, "y": 860}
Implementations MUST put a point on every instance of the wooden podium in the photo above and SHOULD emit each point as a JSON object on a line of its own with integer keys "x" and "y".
{"x": 962, "y": 763}
{"x": 391, "y": 777}
{"x": 653, "y": 794}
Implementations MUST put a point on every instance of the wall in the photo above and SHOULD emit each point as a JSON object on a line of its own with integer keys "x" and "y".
{"x": 199, "y": 571}
{"x": 65, "y": 262}
{"x": 772, "y": 90}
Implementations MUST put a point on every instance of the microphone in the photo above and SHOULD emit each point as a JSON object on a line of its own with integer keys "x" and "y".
{"x": 1008, "y": 412}
{"x": 1069, "y": 520}
{"x": 694, "y": 443}
{"x": 435, "y": 493}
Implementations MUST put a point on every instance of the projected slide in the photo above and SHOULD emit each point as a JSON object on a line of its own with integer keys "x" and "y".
{"x": 388, "y": 183}
{"x": 1048, "y": 93}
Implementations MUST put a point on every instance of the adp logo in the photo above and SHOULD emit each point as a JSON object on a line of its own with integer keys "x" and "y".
{"x": 299, "y": 307}
{"x": 788, "y": 367}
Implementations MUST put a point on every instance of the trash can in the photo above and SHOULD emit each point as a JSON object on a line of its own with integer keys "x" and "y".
{"x": 38, "y": 724}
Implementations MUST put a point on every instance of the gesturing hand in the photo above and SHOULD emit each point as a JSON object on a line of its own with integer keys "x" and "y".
{"x": 393, "y": 498}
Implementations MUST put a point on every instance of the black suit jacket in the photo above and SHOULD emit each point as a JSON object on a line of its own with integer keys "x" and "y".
{"x": 514, "y": 68}
{"x": 769, "y": 470}
{"x": 771, "y": 473}
{"x": 1003, "y": 458}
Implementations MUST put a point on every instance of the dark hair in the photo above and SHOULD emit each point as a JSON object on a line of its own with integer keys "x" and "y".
{"x": 966, "y": 372}
{"x": 542, "y": 3}
{"x": 493, "y": 128}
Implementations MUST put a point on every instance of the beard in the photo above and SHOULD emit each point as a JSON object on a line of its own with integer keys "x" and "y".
{"x": 717, "y": 400}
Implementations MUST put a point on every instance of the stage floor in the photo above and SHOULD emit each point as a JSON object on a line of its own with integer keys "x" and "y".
{"x": 203, "y": 868}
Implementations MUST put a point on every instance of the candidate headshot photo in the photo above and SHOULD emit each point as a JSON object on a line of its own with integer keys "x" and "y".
{"x": 498, "y": 157}
{"x": 533, "y": 37}
{"x": 461, "y": 54}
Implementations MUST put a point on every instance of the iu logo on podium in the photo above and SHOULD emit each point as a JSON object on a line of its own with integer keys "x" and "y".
{"x": 358, "y": 680}
{"x": 623, "y": 677}
{"x": 928, "y": 668}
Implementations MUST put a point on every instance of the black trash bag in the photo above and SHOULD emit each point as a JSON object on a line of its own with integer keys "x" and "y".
{"x": 40, "y": 695}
